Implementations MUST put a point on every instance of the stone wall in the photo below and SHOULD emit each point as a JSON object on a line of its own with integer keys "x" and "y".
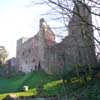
{"x": 27, "y": 58}
{"x": 42, "y": 51}
{"x": 77, "y": 48}
{"x": 30, "y": 52}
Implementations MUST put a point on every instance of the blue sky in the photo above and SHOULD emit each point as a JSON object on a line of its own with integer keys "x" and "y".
{"x": 17, "y": 19}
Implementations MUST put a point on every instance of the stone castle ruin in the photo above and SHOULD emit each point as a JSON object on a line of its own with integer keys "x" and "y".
{"x": 31, "y": 52}
{"x": 42, "y": 52}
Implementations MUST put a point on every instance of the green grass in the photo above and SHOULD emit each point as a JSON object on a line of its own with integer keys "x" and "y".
{"x": 41, "y": 84}
{"x": 31, "y": 92}
{"x": 16, "y": 83}
{"x": 32, "y": 80}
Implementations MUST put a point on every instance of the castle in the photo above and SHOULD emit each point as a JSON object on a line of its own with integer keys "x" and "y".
{"x": 42, "y": 51}
{"x": 30, "y": 52}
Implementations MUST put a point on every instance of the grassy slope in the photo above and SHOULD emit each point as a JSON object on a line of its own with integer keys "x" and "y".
{"x": 16, "y": 83}
{"x": 49, "y": 83}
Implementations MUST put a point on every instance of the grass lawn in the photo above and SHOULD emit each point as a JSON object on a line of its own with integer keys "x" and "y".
{"x": 32, "y": 80}
{"x": 15, "y": 84}
{"x": 41, "y": 84}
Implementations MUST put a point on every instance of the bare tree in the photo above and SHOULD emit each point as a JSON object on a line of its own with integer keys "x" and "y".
{"x": 62, "y": 10}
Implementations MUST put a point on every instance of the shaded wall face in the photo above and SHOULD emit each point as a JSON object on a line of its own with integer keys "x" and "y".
{"x": 80, "y": 20}
{"x": 81, "y": 48}
{"x": 78, "y": 46}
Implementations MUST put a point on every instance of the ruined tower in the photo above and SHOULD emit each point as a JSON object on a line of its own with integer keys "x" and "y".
{"x": 81, "y": 31}
{"x": 78, "y": 47}
{"x": 46, "y": 39}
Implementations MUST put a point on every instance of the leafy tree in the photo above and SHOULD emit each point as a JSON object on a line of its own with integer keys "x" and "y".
{"x": 3, "y": 54}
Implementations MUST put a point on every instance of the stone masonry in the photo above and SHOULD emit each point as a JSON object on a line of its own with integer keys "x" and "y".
{"x": 30, "y": 52}
{"x": 42, "y": 52}
{"x": 77, "y": 48}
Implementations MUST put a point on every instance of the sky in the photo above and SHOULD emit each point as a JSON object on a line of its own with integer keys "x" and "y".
{"x": 18, "y": 18}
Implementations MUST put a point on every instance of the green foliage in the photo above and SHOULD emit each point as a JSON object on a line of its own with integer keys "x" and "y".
{"x": 31, "y": 92}
{"x": 52, "y": 84}
{"x": 3, "y": 54}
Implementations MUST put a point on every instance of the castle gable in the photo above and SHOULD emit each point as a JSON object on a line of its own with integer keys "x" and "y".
{"x": 47, "y": 32}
